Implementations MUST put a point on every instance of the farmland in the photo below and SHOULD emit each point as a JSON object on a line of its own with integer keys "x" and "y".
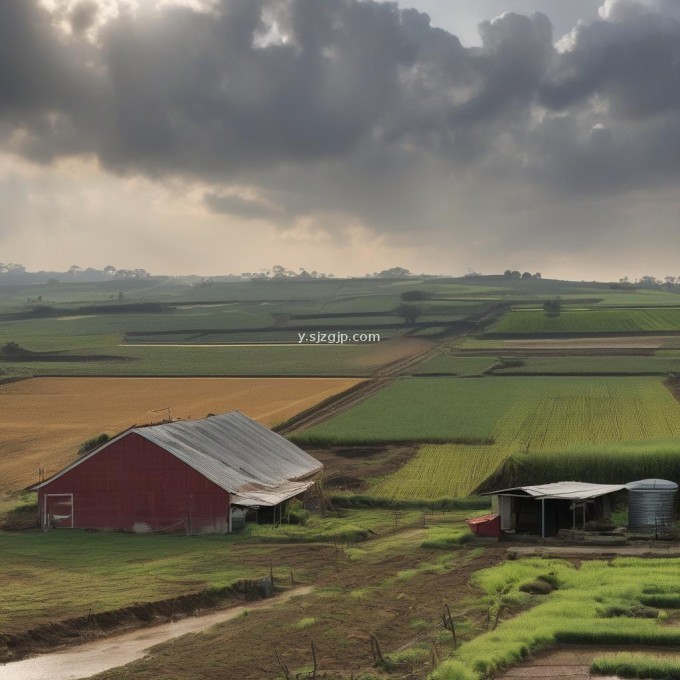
{"x": 232, "y": 360}
{"x": 591, "y": 321}
{"x": 456, "y": 402}
{"x": 504, "y": 410}
{"x": 239, "y": 328}
{"x": 43, "y": 421}
{"x": 441, "y": 471}
{"x": 506, "y": 417}
{"x": 592, "y": 365}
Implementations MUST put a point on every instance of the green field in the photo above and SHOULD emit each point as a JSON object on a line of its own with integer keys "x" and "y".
{"x": 532, "y": 413}
{"x": 532, "y": 421}
{"x": 441, "y": 471}
{"x": 600, "y": 365}
{"x": 454, "y": 364}
{"x": 297, "y": 360}
{"x": 591, "y": 321}
{"x": 593, "y": 604}
{"x": 420, "y": 409}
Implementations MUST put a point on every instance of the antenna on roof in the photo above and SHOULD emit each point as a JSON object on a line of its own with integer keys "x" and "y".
{"x": 167, "y": 409}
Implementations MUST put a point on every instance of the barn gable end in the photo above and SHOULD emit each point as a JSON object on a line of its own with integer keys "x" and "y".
{"x": 134, "y": 485}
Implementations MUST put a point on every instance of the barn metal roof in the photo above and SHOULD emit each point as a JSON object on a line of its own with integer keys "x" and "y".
{"x": 254, "y": 464}
{"x": 579, "y": 491}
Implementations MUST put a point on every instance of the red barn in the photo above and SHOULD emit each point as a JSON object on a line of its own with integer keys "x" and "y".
{"x": 191, "y": 476}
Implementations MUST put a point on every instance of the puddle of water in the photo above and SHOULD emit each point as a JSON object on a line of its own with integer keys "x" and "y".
{"x": 101, "y": 655}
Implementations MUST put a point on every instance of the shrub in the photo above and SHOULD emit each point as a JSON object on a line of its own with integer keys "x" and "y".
{"x": 627, "y": 665}
{"x": 93, "y": 443}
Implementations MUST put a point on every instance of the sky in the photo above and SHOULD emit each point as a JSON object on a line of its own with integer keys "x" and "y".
{"x": 346, "y": 136}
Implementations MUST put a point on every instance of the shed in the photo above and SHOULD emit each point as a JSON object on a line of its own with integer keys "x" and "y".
{"x": 192, "y": 476}
{"x": 546, "y": 508}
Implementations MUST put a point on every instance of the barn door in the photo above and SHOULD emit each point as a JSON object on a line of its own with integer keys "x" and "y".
{"x": 58, "y": 511}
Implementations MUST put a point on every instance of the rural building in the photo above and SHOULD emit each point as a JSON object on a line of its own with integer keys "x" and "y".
{"x": 197, "y": 476}
{"x": 547, "y": 508}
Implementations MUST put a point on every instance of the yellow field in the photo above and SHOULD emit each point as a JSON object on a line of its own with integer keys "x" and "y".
{"x": 44, "y": 421}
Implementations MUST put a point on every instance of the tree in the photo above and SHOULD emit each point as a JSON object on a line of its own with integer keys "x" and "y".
{"x": 507, "y": 273}
{"x": 537, "y": 275}
{"x": 514, "y": 274}
{"x": 408, "y": 312}
{"x": 526, "y": 275}
{"x": 552, "y": 307}
{"x": 393, "y": 273}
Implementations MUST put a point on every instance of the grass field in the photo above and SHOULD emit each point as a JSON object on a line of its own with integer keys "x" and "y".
{"x": 591, "y": 321}
{"x": 43, "y": 421}
{"x": 594, "y": 604}
{"x": 39, "y": 571}
{"x": 56, "y": 575}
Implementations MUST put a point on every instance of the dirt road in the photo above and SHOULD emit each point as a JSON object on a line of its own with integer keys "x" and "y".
{"x": 101, "y": 655}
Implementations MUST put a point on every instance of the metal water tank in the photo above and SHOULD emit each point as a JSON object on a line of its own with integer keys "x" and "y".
{"x": 651, "y": 504}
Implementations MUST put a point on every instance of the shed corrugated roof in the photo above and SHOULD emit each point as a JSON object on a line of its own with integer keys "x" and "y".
{"x": 579, "y": 491}
{"x": 254, "y": 464}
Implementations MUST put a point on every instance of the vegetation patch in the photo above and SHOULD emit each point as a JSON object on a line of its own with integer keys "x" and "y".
{"x": 570, "y": 614}
{"x": 628, "y": 665}
{"x": 440, "y": 471}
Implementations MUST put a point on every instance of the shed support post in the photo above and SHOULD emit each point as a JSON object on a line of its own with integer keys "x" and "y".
{"x": 573, "y": 512}
{"x": 542, "y": 517}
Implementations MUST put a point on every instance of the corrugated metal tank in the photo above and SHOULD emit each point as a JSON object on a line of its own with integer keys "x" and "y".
{"x": 651, "y": 504}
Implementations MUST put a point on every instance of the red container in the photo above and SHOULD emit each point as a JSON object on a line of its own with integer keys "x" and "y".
{"x": 487, "y": 525}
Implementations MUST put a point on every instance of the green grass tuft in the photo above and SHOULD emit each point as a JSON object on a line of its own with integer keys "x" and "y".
{"x": 626, "y": 665}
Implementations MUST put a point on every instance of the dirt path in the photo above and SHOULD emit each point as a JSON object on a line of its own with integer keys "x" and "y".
{"x": 572, "y": 662}
{"x": 101, "y": 655}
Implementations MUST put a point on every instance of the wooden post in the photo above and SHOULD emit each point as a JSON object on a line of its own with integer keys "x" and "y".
{"x": 377, "y": 654}
{"x": 449, "y": 625}
{"x": 542, "y": 517}
{"x": 313, "y": 674}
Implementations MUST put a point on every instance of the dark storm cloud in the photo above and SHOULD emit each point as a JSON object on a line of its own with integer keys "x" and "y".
{"x": 341, "y": 106}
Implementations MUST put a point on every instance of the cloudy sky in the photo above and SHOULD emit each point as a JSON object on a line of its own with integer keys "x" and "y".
{"x": 215, "y": 136}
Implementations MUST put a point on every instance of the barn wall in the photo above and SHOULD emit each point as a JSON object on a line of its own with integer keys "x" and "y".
{"x": 135, "y": 485}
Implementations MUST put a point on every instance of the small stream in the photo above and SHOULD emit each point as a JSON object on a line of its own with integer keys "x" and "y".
{"x": 101, "y": 655}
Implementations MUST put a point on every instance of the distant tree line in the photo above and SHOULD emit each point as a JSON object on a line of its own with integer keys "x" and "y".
{"x": 12, "y": 272}
{"x": 670, "y": 283}
{"x": 514, "y": 274}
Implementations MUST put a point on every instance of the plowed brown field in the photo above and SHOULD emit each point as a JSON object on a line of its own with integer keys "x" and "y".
{"x": 43, "y": 421}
